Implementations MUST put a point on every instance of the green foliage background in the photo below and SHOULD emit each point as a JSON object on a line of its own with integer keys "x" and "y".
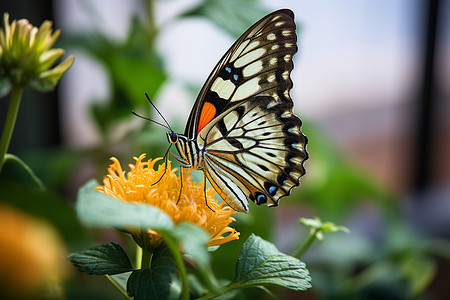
{"x": 397, "y": 262}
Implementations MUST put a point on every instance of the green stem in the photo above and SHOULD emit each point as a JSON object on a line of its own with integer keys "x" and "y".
{"x": 11, "y": 157}
{"x": 180, "y": 265}
{"x": 151, "y": 25}
{"x": 214, "y": 294}
{"x": 138, "y": 262}
{"x": 220, "y": 292}
{"x": 146, "y": 259}
{"x": 307, "y": 243}
{"x": 118, "y": 286}
{"x": 14, "y": 104}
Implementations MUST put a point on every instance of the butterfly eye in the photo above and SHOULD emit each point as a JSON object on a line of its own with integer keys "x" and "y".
{"x": 172, "y": 137}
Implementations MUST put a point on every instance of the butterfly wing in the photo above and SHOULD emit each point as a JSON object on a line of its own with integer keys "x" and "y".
{"x": 254, "y": 150}
{"x": 257, "y": 64}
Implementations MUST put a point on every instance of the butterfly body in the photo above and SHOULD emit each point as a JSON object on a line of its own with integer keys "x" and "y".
{"x": 242, "y": 132}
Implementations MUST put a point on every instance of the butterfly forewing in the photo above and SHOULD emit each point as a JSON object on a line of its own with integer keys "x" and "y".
{"x": 258, "y": 63}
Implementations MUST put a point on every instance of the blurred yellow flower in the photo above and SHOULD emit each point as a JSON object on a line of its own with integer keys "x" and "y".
{"x": 136, "y": 187}
{"x": 26, "y": 55}
{"x": 32, "y": 257}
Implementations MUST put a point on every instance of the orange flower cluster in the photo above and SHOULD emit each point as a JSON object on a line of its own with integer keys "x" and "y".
{"x": 136, "y": 187}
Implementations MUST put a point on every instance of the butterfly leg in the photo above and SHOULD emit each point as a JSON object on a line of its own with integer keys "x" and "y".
{"x": 204, "y": 190}
{"x": 181, "y": 178}
{"x": 166, "y": 158}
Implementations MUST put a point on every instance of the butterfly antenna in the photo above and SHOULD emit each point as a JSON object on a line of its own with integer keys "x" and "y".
{"x": 145, "y": 118}
{"x": 168, "y": 126}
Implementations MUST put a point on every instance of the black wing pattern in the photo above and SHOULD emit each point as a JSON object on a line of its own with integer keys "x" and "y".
{"x": 257, "y": 64}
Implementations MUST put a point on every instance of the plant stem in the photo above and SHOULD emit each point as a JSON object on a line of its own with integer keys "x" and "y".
{"x": 117, "y": 286}
{"x": 146, "y": 259}
{"x": 138, "y": 261}
{"x": 214, "y": 294}
{"x": 12, "y": 157}
{"x": 180, "y": 266}
{"x": 14, "y": 104}
{"x": 307, "y": 243}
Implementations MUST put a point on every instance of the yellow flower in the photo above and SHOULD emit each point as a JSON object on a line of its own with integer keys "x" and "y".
{"x": 26, "y": 55}
{"x": 32, "y": 257}
{"x": 136, "y": 187}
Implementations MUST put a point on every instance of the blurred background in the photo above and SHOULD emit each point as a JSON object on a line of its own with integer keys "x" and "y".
{"x": 370, "y": 85}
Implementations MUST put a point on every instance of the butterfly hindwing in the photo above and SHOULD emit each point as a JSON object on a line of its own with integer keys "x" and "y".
{"x": 258, "y": 63}
{"x": 257, "y": 147}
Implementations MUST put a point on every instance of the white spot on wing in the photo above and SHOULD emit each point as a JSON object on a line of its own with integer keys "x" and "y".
{"x": 247, "y": 89}
{"x": 287, "y": 57}
{"x": 275, "y": 47}
{"x": 249, "y": 57}
{"x": 273, "y": 61}
{"x": 236, "y": 132}
{"x": 251, "y": 46}
{"x": 223, "y": 88}
{"x": 276, "y": 97}
{"x": 252, "y": 68}
{"x": 298, "y": 146}
{"x": 285, "y": 75}
{"x": 230, "y": 120}
{"x": 296, "y": 160}
{"x": 294, "y": 130}
{"x": 239, "y": 50}
{"x": 272, "y": 104}
{"x": 278, "y": 24}
{"x": 287, "y": 114}
{"x": 271, "y": 78}
{"x": 271, "y": 36}
{"x": 286, "y": 32}
{"x": 275, "y": 18}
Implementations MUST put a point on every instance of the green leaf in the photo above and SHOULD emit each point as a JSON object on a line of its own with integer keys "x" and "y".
{"x": 193, "y": 240}
{"x": 136, "y": 76}
{"x": 233, "y": 16}
{"x": 153, "y": 283}
{"x": 420, "y": 271}
{"x": 97, "y": 209}
{"x": 5, "y": 85}
{"x": 318, "y": 226}
{"x": 120, "y": 280}
{"x": 107, "y": 259}
{"x": 261, "y": 263}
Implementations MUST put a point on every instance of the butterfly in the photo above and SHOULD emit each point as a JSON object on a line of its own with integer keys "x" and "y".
{"x": 242, "y": 132}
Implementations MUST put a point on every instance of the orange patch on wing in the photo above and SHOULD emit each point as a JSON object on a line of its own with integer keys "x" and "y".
{"x": 207, "y": 114}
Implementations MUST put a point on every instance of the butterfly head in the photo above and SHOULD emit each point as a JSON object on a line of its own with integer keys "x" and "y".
{"x": 172, "y": 137}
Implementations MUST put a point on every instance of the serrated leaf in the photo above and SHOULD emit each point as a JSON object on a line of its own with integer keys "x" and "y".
{"x": 97, "y": 209}
{"x": 107, "y": 259}
{"x": 153, "y": 283}
{"x": 261, "y": 263}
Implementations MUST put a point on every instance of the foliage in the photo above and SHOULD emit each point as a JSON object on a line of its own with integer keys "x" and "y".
{"x": 259, "y": 262}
